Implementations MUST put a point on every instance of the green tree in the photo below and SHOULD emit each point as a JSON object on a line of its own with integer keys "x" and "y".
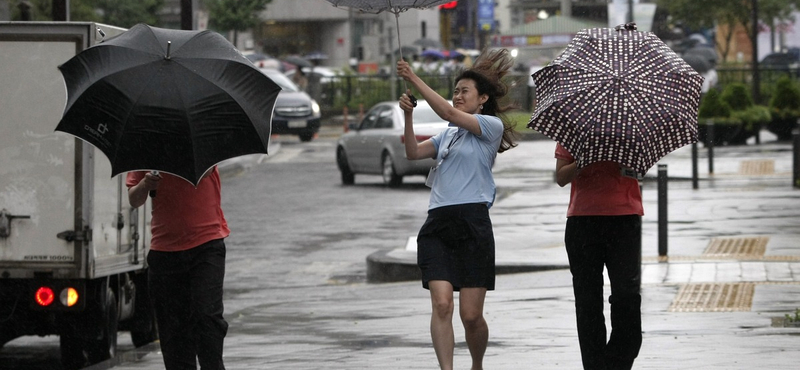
{"x": 235, "y": 15}
{"x": 127, "y": 13}
{"x": 42, "y": 10}
{"x": 121, "y": 13}
{"x": 729, "y": 14}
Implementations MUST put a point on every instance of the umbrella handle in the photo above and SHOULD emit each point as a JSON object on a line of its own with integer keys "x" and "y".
{"x": 153, "y": 192}
{"x": 400, "y": 45}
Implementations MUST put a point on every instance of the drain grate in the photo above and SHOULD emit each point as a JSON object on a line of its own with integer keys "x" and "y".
{"x": 714, "y": 297}
{"x": 740, "y": 248}
{"x": 757, "y": 167}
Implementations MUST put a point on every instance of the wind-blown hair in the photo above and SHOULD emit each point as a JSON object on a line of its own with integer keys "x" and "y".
{"x": 488, "y": 72}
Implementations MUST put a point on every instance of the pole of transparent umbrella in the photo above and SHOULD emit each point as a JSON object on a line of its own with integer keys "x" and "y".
{"x": 400, "y": 47}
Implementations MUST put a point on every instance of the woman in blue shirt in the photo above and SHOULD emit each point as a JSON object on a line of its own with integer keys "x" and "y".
{"x": 455, "y": 246}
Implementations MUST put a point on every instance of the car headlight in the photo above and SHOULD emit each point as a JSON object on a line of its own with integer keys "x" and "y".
{"x": 315, "y": 107}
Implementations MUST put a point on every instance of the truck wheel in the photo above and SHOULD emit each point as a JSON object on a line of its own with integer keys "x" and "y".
{"x": 104, "y": 346}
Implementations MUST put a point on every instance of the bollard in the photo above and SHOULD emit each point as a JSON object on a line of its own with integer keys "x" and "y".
{"x": 710, "y": 138}
{"x": 662, "y": 211}
{"x": 345, "y": 125}
{"x": 796, "y": 155}
{"x": 695, "y": 183}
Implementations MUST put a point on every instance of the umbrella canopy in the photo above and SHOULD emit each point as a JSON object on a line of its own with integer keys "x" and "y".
{"x": 698, "y": 63}
{"x": 428, "y": 43}
{"x": 617, "y": 95}
{"x": 316, "y": 55}
{"x": 392, "y": 6}
{"x": 168, "y": 100}
{"x": 706, "y": 52}
{"x": 431, "y": 53}
{"x": 298, "y": 61}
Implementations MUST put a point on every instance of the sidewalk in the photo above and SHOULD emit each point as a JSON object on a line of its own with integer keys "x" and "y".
{"x": 716, "y": 302}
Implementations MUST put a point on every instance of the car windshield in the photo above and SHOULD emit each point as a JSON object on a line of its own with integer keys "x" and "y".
{"x": 279, "y": 78}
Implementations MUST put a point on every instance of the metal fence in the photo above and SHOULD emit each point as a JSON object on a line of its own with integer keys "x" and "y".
{"x": 363, "y": 91}
{"x": 767, "y": 76}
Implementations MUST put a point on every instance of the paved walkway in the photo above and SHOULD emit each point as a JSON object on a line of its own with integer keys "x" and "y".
{"x": 732, "y": 272}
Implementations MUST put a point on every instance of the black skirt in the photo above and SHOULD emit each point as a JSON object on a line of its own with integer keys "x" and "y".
{"x": 456, "y": 244}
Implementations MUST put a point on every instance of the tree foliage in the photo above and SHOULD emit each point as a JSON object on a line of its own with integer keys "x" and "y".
{"x": 127, "y": 13}
{"x": 121, "y": 13}
{"x": 729, "y": 14}
{"x": 234, "y": 15}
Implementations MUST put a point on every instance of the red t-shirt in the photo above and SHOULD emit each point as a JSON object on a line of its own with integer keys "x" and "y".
{"x": 184, "y": 217}
{"x": 600, "y": 189}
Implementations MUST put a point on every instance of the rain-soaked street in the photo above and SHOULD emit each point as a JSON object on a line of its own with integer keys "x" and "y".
{"x": 294, "y": 228}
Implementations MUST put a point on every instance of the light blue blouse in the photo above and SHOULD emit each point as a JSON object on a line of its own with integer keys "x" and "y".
{"x": 464, "y": 164}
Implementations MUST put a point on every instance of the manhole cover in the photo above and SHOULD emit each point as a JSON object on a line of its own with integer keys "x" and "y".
{"x": 744, "y": 247}
{"x": 714, "y": 297}
{"x": 757, "y": 167}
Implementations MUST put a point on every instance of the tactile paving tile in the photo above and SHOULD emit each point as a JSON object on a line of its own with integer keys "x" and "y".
{"x": 739, "y": 247}
{"x": 714, "y": 297}
{"x": 757, "y": 167}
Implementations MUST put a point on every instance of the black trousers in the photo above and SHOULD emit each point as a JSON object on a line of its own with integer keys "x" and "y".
{"x": 614, "y": 242}
{"x": 186, "y": 291}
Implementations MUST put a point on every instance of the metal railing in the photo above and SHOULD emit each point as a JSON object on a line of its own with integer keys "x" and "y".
{"x": 363, "y": 91}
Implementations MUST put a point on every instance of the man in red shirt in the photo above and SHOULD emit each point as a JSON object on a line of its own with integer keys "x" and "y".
{"x": 604, "y": 230}
{"x": 186, "y": 266}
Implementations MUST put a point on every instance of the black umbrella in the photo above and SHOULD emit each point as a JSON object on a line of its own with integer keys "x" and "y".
{"x": 298, "y": 61}
{"x": 700, "y": 64}
{"x": 168, "y": 100}
{"x": 618, "y": 95}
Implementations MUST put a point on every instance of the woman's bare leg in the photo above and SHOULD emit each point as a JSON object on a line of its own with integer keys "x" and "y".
{"x": 442, "y": 322}
{"x": 475, "y": 327}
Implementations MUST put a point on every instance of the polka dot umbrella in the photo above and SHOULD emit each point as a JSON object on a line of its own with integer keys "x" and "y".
{"x": 617, "y": 95}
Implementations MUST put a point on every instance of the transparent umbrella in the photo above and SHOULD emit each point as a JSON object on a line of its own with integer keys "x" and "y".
{"x": 392, "y": 6}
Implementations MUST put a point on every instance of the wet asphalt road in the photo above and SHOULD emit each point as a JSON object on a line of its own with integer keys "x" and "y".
{"x": 294, "y": 230}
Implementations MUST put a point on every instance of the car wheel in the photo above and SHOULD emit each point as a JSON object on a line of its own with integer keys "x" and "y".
{"x": 306, "y": 136}
{"x": 348, "y": 177}
{"x": 390, "y": 176}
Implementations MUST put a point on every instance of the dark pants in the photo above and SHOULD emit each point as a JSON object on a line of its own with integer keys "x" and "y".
{"x": 614, "y": 242}
{"x": 186, "y": 291}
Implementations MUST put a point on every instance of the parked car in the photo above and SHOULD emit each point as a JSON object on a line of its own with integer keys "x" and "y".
{"x": 376, "y": 144}
{"x": 784, "y": 61}
{"x": 295, "y": 112}
{"x": 324, "y": 74}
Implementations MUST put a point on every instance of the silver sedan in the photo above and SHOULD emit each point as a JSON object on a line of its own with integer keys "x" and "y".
{"x": 375, "y": 145}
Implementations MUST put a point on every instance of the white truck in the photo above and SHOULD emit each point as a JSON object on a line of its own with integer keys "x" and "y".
{"x": 72, "y": 250}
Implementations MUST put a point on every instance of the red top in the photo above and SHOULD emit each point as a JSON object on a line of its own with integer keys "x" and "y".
{"x": 184, "y": 217}
{"x": 599, "y": 189}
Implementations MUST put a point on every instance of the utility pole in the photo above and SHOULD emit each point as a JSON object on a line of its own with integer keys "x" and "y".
{"x": 754, "y": 39}
{"x": 630, "y": 11}
{"x": 186, "y": 15}
{"x": 60, "y": 10}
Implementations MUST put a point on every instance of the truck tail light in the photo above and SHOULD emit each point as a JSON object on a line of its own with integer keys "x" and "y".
{"x": 44, "y": 296}
{"x": 69, "y": 297}
{"x": 59, "y": 295}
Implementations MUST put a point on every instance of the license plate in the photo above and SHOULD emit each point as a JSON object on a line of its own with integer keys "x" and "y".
{"x": 297, "y": 124}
